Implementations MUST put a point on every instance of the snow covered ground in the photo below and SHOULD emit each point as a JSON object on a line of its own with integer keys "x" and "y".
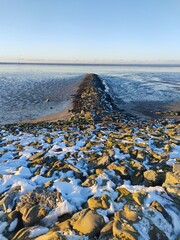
{"x": 88, "y": 162}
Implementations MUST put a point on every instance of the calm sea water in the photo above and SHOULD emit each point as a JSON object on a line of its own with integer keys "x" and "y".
{"x": 31, "y": 91}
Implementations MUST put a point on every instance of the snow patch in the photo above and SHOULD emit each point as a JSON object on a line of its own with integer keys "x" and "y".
{"x": 37, "y": 231}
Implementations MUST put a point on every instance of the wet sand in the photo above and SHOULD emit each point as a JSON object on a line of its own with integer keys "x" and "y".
{"x": 143, "y": 110}
{"x": 152, "y": 110}
{"x": 63, "y": 115}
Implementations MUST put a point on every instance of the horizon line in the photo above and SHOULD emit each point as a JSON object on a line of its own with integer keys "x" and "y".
{"x": 91, "y": 64}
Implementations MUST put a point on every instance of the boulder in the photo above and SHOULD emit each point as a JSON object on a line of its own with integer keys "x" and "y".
{"x": 39, "y": 196}
{"x": 173, "y": 191}
{"x": 88, "y": 222}
{"x": 150, "y": 178}
{"x": 106, "y": 231}
{"x": 35, "y": 204}
{"x": 121, "y": 170}
{"x": 99, "y": 202}
{"x": 172, "y": 178}
{"x": 139, "y": 197}
{"x": 32, "y": 214}
{"x": 26, "y": 233}
{"x": 8, "y": 202}
{"x": 36, "y": 156}
{"x": 122, "y": 230}
{"x": 22, "y": 234}
{"x": 64, "y": 226}
{"x": 69, "y": 167}
{"x": 104, "y": 160}
{"x": 88, "y": 115}
{"x": 129, "y": 214}
{"x": 124, "y": 194}
{"x": 156, "y": 205}
{"x": 141, "y": 155}
{"x": 51, "y": 235}
{"x": 136, "y": 165}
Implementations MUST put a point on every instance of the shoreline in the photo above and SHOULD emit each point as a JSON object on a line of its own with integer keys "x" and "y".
{"x": 75, "y": 104}
{"x": 62, "y": 115}
{"x": 65, "y": 114}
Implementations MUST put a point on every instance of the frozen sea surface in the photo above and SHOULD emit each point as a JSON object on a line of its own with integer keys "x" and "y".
{"x": 31, "y": 91}
{"x": 164, "y": 87}
{"x": 144, "y": 92}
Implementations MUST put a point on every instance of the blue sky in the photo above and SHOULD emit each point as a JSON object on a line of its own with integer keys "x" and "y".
{"x": 90, "y": 30}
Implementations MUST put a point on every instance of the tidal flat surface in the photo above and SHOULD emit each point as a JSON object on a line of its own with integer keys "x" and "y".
{"x": 32, "y": 91}
{"x": 29, "y": 92}
{"x": 144, "y": 93}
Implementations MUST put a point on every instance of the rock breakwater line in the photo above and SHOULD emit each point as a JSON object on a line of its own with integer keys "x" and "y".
{"x": 98, "y": 175}
{"x": 91, "y": 98}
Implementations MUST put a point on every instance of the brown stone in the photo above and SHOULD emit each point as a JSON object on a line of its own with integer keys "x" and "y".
{"x": 106, "y": 230}
{"x": 122, "y": 170}
{"x": 64, "y": 226}
{"x": 128, "y": 214}
{"x": 172, "y": 178}
{"x": 120, "y": 233}
{"x": 99, "y": 202}
{"x": 32, "y": 214}
{"x": 90, "y": 223}
{"x": 139, "y": 197}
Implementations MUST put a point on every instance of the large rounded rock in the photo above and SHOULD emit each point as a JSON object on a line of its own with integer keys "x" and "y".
{"x": 123, "y": 230}
{"x": 51, "y": 235}
{"x": 104, "y": 160}
{"x": 99, "y": 202}
{"x": 64, "y": 226}
{"x": 119, "y": 169}
{"x": 30, "y": 233}
{"x": 172, "y": 178}
{"x": 32, "y": 214}
{"x": 39, "y": 196}
{"x": 35, "y": 204}
{"x": 150, "y": 178}
{"x": 173, "y": 191}
{"x": 139, "y": 197}
{"x": 8, "y": 202}
{"x": 88, "y": 222}
{"x": 129, "y": 214}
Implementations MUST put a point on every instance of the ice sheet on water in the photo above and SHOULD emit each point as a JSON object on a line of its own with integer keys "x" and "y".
{"x": 143, "y": 86}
